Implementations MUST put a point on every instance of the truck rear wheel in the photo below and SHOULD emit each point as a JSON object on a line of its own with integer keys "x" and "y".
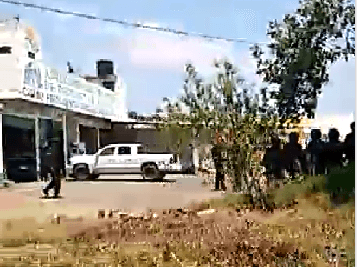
{"x": 151, "y": 171}
{"x": 81, "y": 172}
{"x": 95, "y": 176}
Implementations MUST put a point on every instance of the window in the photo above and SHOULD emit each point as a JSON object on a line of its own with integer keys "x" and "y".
{"x": 108, "y": 152}
{"x": 31, "y": 55}
{"x": 109, "y": 85}
{"x": 5, "y": 50}
{"x": 124, "y": 150}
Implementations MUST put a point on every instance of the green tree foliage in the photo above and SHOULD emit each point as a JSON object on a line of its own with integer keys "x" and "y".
{"x": 303, "y": 46}
{"x": 176, "y": 138}
{"x": 229, "y": 105}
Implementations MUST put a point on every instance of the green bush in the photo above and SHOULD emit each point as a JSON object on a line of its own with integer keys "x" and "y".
{"x": 288, "y": 193}
{"x": 231, "y": 200}
{"x": 343, "y": 178}
{"x": 340, "y": 181}
{"x": 236, "y": 199}
{"x": 315, "y": 184}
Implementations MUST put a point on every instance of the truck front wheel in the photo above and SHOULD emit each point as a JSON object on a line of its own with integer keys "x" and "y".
{"x": 81, "y": 172}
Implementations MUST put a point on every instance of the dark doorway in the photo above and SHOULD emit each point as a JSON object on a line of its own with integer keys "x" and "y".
{"x": 19, "y": 152}
{"x": 89, "y": 136}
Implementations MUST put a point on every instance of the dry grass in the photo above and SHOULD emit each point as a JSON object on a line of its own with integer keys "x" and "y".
{"x": 312, "y": 224}
{"x": 309, "y": 226}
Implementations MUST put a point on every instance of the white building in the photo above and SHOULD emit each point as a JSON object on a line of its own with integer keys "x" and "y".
{"x": 33, "y": 95}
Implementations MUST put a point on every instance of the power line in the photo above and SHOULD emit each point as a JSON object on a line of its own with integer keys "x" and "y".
{"x": 124, "y": 23}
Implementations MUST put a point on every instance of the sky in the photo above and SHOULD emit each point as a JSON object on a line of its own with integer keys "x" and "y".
{"x": 152, "y": 63}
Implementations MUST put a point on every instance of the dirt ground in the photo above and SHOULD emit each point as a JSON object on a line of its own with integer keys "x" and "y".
{"x": 194, "y": 236}
{"x": 226, "y": 234}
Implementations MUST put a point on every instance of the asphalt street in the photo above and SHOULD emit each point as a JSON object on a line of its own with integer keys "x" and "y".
{"x": 85, "y": 198}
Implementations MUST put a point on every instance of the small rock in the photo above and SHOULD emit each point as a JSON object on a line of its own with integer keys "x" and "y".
{"x": 208, "y": 211}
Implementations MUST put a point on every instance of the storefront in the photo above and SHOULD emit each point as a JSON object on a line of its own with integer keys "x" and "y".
{"x": 28, "y": 128}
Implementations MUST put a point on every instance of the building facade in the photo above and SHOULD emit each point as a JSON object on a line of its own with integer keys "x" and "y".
{"x": 39, "y": 103}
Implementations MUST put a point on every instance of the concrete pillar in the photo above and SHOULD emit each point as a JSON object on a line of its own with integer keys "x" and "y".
{"x": 65, "y": 141}
{"x": 1, "y": 148}
{"x": 98, "y": 137}
{"x": 37, "y": 147}
{"x": 78, "y": 133}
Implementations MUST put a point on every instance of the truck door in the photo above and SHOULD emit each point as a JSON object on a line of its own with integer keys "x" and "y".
{"x": 127, "y": 162}
{"x": 106, "y": 160}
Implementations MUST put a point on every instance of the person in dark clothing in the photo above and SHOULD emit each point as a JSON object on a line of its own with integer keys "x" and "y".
{"x": 53, "y": 184}
{"x": 315, "y": 150}
{"x": 349, "y": 144}
{"x": 292, "y": 155}
{"x": 51, "y": 167}
{"x": 272, "y": 159}
{"x": 333, "y": 150}
{"x": 218, "y": 157}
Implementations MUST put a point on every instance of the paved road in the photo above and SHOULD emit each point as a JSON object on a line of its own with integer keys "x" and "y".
{"x": 129, "y": 192}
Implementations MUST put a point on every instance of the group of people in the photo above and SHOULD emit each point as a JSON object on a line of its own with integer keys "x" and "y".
{"x": 318, "y": 158}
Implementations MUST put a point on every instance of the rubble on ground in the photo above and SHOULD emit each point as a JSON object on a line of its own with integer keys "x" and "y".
{"x": 197, "y": 233}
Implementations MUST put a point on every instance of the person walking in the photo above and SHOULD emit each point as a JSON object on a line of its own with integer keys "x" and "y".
{"x": 51, "y": 168}
{"x": 219, "y": 158}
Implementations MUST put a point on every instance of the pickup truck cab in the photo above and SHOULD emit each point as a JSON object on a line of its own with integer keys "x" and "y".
{"x": 120, "y": 159}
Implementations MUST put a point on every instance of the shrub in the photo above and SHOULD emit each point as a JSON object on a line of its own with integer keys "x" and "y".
{"x": 343, "y": 178}
{"x": 315, "y": 184}
{"x": 236, "y": 199}
{"x": 288, "y": 193}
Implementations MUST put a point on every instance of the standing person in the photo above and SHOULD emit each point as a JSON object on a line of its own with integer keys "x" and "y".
{"x": 187, "y": 159}
{"x": 349, "y": 144}
{"x": 333, "y": 150}
{"x": 219, "y": 158}
{"x": 315, "y": 149}
{"x": 292, "y": 155}
{"x": 272, "y": 160}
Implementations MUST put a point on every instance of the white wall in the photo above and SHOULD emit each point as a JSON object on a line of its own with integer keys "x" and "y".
{"x": 112, "y": 104}
{"x": 12, "y": 65}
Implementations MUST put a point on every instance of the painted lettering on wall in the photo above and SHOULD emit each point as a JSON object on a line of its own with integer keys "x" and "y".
{"x": 50, "y": 87}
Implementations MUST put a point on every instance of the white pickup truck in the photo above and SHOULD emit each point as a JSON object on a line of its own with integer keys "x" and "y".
{"x": 117, "y": 159}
